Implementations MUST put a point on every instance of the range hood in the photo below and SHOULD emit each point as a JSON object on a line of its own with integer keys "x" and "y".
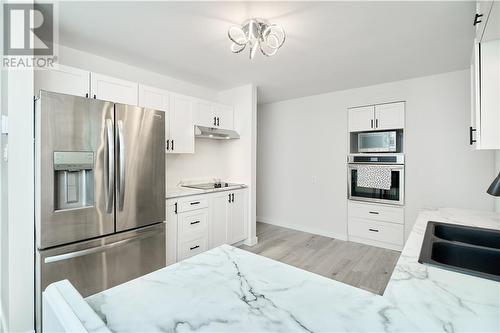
{"x": 215, "y": 133}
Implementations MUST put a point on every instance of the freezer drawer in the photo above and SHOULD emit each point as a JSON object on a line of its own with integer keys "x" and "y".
{"x": 95, "y": 265}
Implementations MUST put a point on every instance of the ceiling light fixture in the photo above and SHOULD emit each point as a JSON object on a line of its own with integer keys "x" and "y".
{"x": 256, "y": 34}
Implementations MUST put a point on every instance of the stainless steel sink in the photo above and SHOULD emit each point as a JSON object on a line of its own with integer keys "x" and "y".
{"x": 468, "y": 250}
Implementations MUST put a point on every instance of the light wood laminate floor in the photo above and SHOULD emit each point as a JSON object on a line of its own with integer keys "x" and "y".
{"x": 358, "y": 265}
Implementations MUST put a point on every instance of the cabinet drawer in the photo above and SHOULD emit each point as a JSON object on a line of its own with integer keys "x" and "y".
{"x": 192, "y": 204}
{"x": 376, "y": 230}
{"x": 376, "y": 212}
{"x": 193, "y": 222}
{"x": 193, "y": 247}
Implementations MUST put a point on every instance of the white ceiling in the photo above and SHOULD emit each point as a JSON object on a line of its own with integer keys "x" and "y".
{"x": 330, "y": 45}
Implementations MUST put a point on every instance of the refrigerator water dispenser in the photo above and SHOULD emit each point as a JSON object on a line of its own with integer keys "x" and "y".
{"x": 73, "y": 180}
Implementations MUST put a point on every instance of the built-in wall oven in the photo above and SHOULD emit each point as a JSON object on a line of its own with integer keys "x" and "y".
{"x": 390, "y": 166}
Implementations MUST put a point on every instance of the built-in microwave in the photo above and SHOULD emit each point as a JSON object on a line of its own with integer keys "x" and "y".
{"x": 377, "y": 142}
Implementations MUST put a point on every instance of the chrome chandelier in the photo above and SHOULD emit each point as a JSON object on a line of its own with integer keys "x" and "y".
{"x": 256, "y": 34}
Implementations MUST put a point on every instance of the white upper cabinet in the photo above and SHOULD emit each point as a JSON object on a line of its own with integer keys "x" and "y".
{"x": 213, "y": 115}
{"x": 180, "y": 117}
{"x": 361, "y": 119}
{"x": 390, "y": 116}
{"x": 484, "y": 132}
{"x": 64, "y": 80}
{"x": 112, "y": 89}
{"x": 225, "y": 116}
{"x": 203, "y": 114}
{"x": 487, "y": 20}
{"x": 377, "y": 117}
{"x": 153, "y": 98}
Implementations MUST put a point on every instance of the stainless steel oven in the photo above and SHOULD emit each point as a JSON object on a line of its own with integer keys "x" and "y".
{"x": 377, "y": 142}
{"x": 394, "y": 195}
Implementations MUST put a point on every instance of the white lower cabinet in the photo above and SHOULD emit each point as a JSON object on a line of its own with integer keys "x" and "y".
{"x": 202, "y": 222}
{"x": 378, "y": 225}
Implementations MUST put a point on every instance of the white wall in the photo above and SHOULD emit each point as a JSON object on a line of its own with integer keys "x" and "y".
{"x": 302, "y": 148}
{"x": 18, "y": 240}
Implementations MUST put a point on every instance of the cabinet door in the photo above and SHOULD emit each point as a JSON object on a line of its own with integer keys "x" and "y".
{"x": 157, "y": 99}
{"x": 171, "y": 232}
{"x": 153, "y": 98}
{"x": 390, "y": 116}
{"x": 237, "y": 227}
{"x": 362, "y": 119}
{"x": 225, "y": 116}
{"x": 490, "y": 95}
{"x": 490, "y": 22}
{"x": 203, "y": 114}
{"x": 114, "y": 90}
{"x": 180, "y": 119}
{"x": 219, "y": 218}
{"x": 64, "y": 80}
{"x": 474, "y": 134}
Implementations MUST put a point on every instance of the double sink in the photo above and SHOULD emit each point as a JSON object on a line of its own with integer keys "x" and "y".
{"x": 468, "y": 250}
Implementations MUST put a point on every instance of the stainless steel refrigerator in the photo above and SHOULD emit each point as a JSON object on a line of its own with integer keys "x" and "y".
{"x": 100, "y": 192}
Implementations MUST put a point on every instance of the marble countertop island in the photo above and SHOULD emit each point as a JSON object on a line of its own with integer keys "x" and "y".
{"x": 230, "y": 290}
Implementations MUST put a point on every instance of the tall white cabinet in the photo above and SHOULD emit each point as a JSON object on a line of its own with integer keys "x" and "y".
{"x": 484, "y": 130}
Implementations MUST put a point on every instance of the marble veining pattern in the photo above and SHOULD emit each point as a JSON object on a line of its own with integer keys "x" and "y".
{"x": 230, "y": 290}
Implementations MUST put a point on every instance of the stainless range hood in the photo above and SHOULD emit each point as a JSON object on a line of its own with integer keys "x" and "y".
{"x": 215, "y": 133}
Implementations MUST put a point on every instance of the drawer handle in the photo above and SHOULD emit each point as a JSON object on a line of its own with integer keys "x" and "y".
{"x": 194, "y": 247}
{"x": 375, "y": 213}
{"x": 195, "y": 203}
{"x": 195, "y": 222}
{"x": 374, "y": 230}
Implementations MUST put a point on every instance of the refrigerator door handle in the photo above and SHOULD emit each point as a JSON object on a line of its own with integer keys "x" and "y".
{"x": 98, "y": 249}
{"x": 121, "y": 160}
{"x": 110, "y": 166}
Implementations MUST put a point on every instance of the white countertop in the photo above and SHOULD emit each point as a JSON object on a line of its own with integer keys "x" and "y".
{"x": 179, "y": 191}
{"x": 228, "y": 289}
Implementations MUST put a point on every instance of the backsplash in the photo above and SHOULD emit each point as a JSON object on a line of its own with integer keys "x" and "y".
{"x": 208, "y": 162}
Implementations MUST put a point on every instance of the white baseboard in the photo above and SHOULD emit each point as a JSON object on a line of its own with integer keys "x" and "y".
{"x": 315, "y": 231}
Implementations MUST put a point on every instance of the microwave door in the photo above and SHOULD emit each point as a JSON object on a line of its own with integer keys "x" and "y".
{"x": 140, "y": 166}
{"x": 74, "y": 169}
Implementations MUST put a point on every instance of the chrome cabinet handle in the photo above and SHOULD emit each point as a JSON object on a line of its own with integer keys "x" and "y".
{"x": 376, "y": 123}
{"x": 194, "y": 247}
{"x": 215, "y": 121}
{"x": 194, "y": 222}
{"x": 371, "y": 123}
{"x": 229, "y": 197}
{"x": 232, "y": 195}
{"x": 195, "y": 203}
{"x": 376, "y": 213}
{"x": 218, "y": 121}
{"x": 121, "y": 160}
{"x": 172, "y": 144}
{"x": 374, "y": 230}
{"x": 110, "y": 166}
{"x": 168, "y": 144}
